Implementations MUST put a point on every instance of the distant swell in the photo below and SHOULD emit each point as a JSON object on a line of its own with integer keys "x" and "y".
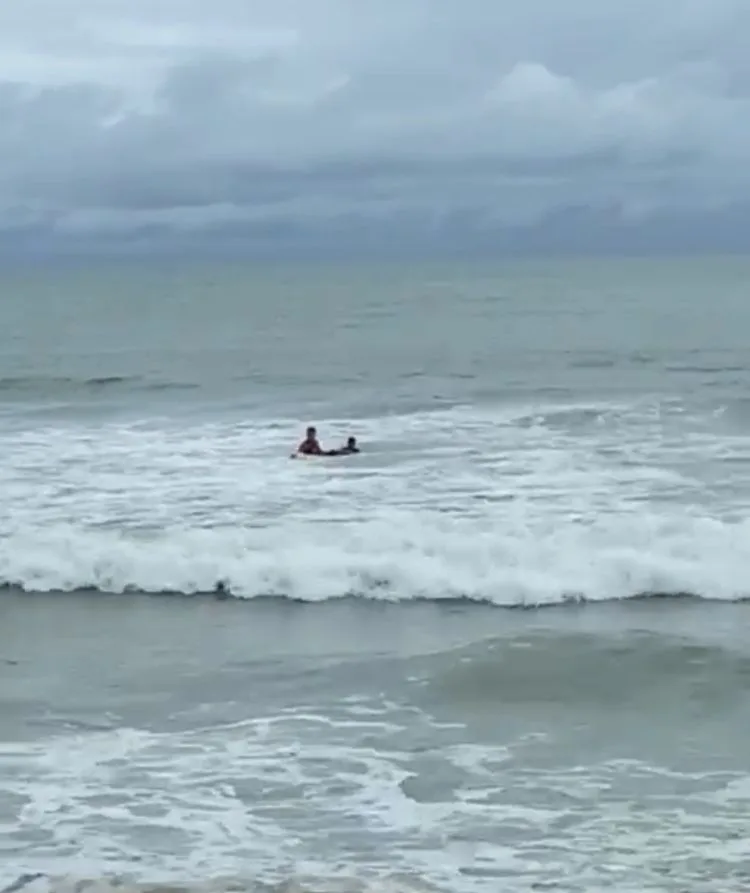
{"x": 55, "y": 386}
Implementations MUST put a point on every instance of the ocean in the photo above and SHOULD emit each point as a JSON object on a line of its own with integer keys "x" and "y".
{"x": 504, "y": 648}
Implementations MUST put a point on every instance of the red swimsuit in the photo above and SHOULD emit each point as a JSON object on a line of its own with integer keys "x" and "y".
{"x": 310, "y": 448}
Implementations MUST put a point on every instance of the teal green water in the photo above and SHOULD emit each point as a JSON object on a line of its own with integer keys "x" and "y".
{"x": 372, "y": 338}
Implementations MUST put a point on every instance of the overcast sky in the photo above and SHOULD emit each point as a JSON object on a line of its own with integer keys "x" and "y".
{"x": 193, "y": 115}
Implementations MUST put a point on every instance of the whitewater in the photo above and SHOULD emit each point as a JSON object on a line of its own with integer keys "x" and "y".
{"x": 519, "y": 506}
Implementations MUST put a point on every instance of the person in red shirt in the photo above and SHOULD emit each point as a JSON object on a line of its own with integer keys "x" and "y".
{"x": 310, "y": 445}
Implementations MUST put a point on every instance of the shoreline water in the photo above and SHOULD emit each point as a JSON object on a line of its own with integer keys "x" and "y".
{"x": 223, "y": 715}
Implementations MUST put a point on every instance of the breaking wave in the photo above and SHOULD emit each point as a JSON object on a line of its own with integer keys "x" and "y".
{"x": 395, "y": 559}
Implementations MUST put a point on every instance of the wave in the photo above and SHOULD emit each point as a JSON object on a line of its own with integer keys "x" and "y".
{"x": 390, "y": 560}
{"x": 55, "y": 386}
{"x": 40, "y": 883}
{"x": 221, "y": 592}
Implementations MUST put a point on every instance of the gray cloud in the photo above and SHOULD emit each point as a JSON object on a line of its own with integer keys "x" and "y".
{"x": 297, "y": 116}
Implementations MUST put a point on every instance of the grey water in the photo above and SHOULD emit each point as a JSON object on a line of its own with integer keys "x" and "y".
{"x": 504, "y": 648}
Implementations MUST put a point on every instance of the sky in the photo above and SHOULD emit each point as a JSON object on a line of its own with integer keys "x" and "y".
{"x": 312, "y": 123}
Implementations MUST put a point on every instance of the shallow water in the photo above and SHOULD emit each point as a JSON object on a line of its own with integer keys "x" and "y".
{"x": 461, "y": 746}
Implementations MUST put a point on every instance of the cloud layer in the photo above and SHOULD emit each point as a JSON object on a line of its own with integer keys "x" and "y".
{"x": 188, "y": 116}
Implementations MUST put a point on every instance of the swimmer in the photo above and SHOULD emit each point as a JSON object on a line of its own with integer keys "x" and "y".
{"x": 350, "y": 448}
{"x": 310, "y": 445}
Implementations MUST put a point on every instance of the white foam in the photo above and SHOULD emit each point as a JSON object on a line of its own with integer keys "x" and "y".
{"x": 218, "y": 801}
{"x": 293, "y": 800}
{"x": 522, "y": 506}
{"x": 294, "y": 884}
{"x": 402, "y": 557}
